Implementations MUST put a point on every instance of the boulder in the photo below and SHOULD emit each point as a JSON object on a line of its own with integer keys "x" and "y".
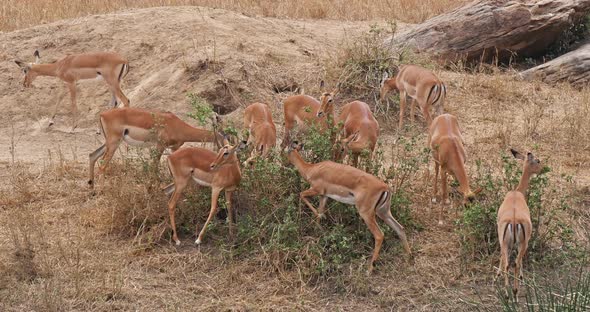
{"x": 482, "y": 30}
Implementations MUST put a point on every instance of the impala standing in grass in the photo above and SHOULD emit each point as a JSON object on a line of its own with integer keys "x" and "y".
{"x": 262, "y": 130}
{"x": 109, "y": 66}
{"x": 422, "y": 86}
{"x": 360, "y": 129}
{"x": 349, "y": 185}
{"x": 144, "y": 128}
{"x": 304, "y": 111}
{"x": 446, "y": 142}
{"x": 514, "y": 221}
{"x": 219, "y": 171}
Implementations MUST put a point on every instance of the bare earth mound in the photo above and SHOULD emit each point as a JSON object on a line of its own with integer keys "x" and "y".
{"x": 228, "y": 58}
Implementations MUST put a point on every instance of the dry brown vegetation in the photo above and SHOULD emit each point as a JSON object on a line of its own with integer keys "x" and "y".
{"x": 16, "y": 14}
{"x": 63, "y": 249}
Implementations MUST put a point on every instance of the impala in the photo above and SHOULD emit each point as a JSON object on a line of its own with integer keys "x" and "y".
{"x": 422, "y": 86}
{"x": 262, "y": 130}
{"x": 360, "y": 129}
{"x": 144, "y": 128}
{"x": 304, "y": 111}
{"x": 352, "y": 186}
{"x": 514, "y": 221}
{"x": 219, "y": 171}
{"x": 102, "y": 65}
{"x": 446, "y": 142}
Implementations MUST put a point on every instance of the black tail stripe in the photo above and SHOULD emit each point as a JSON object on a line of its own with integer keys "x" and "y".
{"x": 122, "y": 70}
{"x": 430, "y": 93}
{"x": 438, "y": 94}
{"x": 506, "y": 228}
{"x": 381, "y": 200}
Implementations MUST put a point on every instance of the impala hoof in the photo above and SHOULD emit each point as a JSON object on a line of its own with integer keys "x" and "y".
{"x": 447, "y": 201}
{"x": 433, "y": 200}
{"x": 440, "y": 222}
{"x": 177, "y": 242}
{"x": 198, "y": 241}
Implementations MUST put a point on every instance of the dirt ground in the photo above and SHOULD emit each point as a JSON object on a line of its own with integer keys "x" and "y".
{"x": 231, "y": 60}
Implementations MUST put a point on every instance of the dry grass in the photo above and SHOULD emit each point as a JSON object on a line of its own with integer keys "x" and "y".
{"x": 17, "y": 14}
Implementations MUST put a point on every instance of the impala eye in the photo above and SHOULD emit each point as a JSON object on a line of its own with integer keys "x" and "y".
{"x": 330, "y": 101}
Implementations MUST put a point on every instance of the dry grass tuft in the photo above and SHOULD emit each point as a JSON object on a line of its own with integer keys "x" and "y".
{"x": 17, "y": 14}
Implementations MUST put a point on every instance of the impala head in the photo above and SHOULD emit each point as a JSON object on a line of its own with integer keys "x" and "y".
{"x": 531, "y": 163}
{"x": 294, "y": 146}
{"x": 386, "y": 86}
{"x": 227, "y": 154}
{"x": 30, "y": 75}
{"x": 327, "y": 100}
{"x": 342, "y": 150}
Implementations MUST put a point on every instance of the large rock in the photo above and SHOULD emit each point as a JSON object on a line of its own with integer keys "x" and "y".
{"x": 484, "y": 29}
{"x": 573, "y": 67}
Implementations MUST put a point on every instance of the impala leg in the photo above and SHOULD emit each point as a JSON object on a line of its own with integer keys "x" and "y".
{"x": 93, "y": 158}
{"x": 116, "y": 90}
{"x": 412, "y": 110}
{"x": 250, "y": 160}
{"x": 111, "y": 148}
{"x": 371, "y": 223}
{"x": 179, "y": 184}
{"x": 322, "y": 207}
{"x": 402, "y": 107}
{"x": 214, "y": 198}
{"x": 435, "y": 186}
{"x": 157, "y": 156}
{"x": 59, "y": 99}
{"x": 384, "y": 213}
{"x": 309, "y": 193}
{"x": 74, "y": 107}
{"x": 518, "y": 276}
{"x": 506, "y": 263}
{"x": 230, "y": 214}
{"x": 426, "y": 113}
{"x": 445, "y": 199}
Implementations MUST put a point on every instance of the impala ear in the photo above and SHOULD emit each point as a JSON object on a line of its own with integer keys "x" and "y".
{"x": 225, "y": 139}
{"x": 242, "y": 145}
{"x": 20, "y": 64}
{"x": 37, "y": 56}
{"x": 530, "y": 157}
{"x": 385, "y": 77}
{"x": 517, "y": 154}
{"x": 322, "y": 85}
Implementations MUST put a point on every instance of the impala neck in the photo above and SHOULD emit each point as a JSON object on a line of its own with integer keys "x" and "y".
{"x": 461, "y": 176}
{"x": 45, "y": 69}
{"x": 523, "y": 185}
{"x": 296, "y": 159}
{"x": 192, "y": 134}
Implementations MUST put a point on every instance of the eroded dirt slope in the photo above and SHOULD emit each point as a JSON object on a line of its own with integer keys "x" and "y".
{"x": 228, "y": 58}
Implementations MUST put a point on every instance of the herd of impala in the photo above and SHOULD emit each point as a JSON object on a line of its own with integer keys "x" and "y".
{"x": 358, "y": 131}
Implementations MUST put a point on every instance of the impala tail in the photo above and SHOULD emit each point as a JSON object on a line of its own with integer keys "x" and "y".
{"x": 124, "y": 71}
{"x": 437, "y": 94}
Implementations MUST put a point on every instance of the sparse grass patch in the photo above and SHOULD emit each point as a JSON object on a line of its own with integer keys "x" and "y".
{"x": 16, "y": 14}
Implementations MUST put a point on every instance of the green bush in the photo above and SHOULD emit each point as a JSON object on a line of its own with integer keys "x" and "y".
{"x": 477, "y": 226}
{"x": 557, "y": 294}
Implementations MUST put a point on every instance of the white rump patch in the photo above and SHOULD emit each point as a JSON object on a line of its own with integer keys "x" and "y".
{"x": 343, "y": 199}
{"x": 201, "y": 182}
